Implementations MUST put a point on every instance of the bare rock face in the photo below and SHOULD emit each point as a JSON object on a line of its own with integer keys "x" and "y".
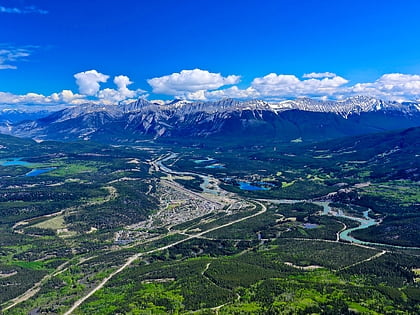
{"x": 304, "y": 117}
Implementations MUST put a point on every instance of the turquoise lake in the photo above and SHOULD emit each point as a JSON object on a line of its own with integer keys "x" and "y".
{"x": 251, "y": 187}
{"x": 39, "y": 171}
{"x": 14, "y": 161}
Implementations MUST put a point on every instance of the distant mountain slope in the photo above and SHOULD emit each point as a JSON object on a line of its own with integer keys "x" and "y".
{"x": 353, "y": 105}
{"x": 14, "y": 116}
{"x": 12, "y": 144}
{"x": 302, "y": 118}
{"x": 390, "y": 155}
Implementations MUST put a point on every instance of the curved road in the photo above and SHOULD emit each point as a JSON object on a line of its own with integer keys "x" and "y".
{"x": 136, "y": 256}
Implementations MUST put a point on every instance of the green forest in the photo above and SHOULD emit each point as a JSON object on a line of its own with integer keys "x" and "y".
{"x": 210, "y": 227}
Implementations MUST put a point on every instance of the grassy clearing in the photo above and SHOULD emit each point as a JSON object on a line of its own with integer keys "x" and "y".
{"x": 54, "y": 223}
{"x": 417, "y": 275}
{"x": 33, "y": 265}
{"x": 70, "y": 169}
{"x": 173, "y": 205}
{"x": 405, "y": 192}
{"x": 287, "y": 184}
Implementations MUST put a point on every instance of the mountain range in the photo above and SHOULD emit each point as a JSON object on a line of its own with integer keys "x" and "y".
{"x": 302, "y": 118}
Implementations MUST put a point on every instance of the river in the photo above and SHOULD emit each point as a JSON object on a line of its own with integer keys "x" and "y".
{"x": 210, "y": 185}
{"x": 364, "y": 222}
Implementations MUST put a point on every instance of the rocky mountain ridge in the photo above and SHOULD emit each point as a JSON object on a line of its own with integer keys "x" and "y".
{"x": 302, "y": 117}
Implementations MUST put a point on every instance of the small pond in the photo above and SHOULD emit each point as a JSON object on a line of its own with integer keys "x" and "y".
{"x": 14, "y": 161}
{"x": 208, "y": 159}
{"x": 310, "y": 225}
{"x": 254, "y": 186}
{"x": 215, "y": 166}
{"x": 39, "y": 171}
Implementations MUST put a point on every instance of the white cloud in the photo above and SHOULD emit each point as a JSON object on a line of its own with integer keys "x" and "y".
{"x": 25, "y": 10}
{"x": 199, "y": 95}
{"x": 121, "y": 81}
{"x": 122, "y": 92}
{"x": 89, "y": 87}
{"x": 203, "y": 85}
{"x": 63, "y": 97}
{"x": 274, "y": 86}
{"x": 393, "y": 86}
{"x": 190, "y": 81}
{"x": 319, "y": 75}
{"x": 232, "y": 92}
{"x": 67, "y": 97}
{"x": 88, "y": 81}
{"x": 3, "y": 66}
{"x": 283, "y": 85}
{"x": 32, "y": 98}
{"x": 10, "y": 55}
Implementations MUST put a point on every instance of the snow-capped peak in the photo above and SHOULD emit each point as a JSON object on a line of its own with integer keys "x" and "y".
{"x": 177, "y": 103}
{"x": 352, "y": 105}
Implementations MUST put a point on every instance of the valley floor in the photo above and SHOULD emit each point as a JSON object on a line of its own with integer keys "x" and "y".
{"x": 137, "y": 231}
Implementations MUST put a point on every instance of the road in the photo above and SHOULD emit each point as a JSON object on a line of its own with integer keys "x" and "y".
{"x": 158, "y": 166}
{"x": 112, "y": 194}
{"x": 133, "y": 258}
{"x": 138, "y": 255}
{"x": 366, "y": 260}
{"x": 34, "y": 290}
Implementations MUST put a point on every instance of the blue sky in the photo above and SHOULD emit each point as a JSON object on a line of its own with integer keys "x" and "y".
{"x": 207, "y": 49}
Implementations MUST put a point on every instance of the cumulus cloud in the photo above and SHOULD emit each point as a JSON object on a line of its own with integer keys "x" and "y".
{"x": 394, "y": 86}
{"x": 31, "y": 98}
{"x": 319, "y": 75}
{"x": 67, "y": 97}
{"x": 122, "y": 92}
{"x": 199, "y": 95}
{"x": 89, "y": 87}
{"x": 10, "y": 55}
{"x": 190, "y": 81}
{"x": 202, "y": 85}
{"x": 63, "y": 97}
{"x": 25, "y": 10}
{"x": 88, "y": 81}
{"x": 121, "y": 81}
{"x": 232, "y": 92}
{"x": 284, "y": 85}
